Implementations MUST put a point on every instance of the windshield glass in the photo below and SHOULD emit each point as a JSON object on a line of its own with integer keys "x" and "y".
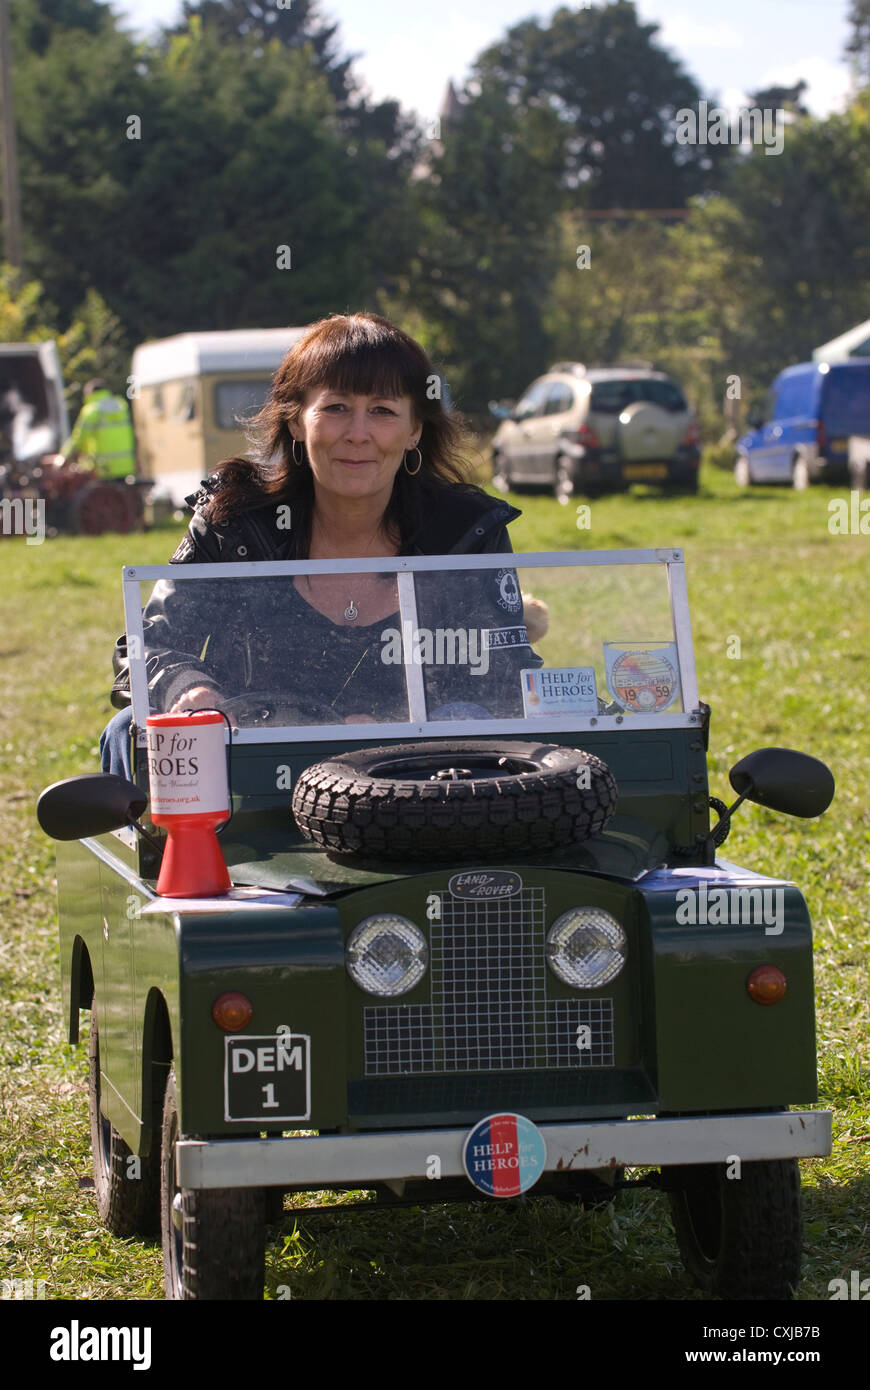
{"x": 296, "y": 646}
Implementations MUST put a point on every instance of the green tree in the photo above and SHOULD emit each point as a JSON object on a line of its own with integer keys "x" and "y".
{"x": 294, "y": 25}
{"x": 858, "y": 47}
{"x": 486, "y": 251}
{"x": 167, "y": 179}
{"x": 613, "y": 94}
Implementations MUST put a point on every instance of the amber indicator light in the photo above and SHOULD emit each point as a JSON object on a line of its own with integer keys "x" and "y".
{"x": 766, "y": 984}
{"x": 232, "y": 1011}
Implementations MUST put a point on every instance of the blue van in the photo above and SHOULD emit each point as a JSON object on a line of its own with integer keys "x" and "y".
{"x": 803, "y": 437}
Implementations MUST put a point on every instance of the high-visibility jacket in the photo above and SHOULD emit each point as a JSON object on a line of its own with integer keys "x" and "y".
{"x": 103, "y": 436}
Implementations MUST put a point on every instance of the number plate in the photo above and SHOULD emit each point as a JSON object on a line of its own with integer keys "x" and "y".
{"x": 267, "y": 1077}
{"x": 645, "y": 470}
{"x": 840, "y": 446}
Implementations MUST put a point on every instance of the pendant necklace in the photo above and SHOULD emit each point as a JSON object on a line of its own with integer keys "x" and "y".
{"x": 351, "y": 613}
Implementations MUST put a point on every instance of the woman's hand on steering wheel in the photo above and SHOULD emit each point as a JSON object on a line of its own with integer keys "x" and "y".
{"x": 198, "y": 697}
{"x": 254, "y": 708}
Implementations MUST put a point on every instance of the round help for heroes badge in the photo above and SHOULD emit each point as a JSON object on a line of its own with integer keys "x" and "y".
{"x": 504, "y": 1155}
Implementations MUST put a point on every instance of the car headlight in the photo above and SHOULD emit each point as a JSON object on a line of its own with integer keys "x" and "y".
{"x": 586, "y": 947}
{"x": 386, "y": 955}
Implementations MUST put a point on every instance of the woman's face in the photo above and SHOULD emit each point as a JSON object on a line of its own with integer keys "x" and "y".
{"x": 356, "y": 444}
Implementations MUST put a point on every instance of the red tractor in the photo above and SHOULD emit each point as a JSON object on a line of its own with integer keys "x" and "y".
{"x": 76, "y": 501}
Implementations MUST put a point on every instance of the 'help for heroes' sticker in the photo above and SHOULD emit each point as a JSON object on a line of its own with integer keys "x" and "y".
{"x": 559, "y": 690}
{"x": 504, "y": 1155}
{"x": 642, "y": 676}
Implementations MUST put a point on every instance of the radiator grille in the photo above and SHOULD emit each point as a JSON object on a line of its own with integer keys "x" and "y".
{"x": 489, "y": 1009}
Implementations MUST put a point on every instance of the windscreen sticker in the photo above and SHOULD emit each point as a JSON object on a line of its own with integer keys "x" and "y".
{"x": 559, "y": 690}
{"x": 642, "y": 676}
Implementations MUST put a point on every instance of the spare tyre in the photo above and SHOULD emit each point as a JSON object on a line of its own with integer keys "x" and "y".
{"x": 465, "y": 799}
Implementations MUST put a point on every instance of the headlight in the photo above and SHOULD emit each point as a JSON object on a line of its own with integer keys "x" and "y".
{"x": 386, "y": 955}
{"x": 586, "y": 947}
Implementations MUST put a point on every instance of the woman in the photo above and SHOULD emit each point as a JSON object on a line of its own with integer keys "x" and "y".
{"x": 354, "y": 457}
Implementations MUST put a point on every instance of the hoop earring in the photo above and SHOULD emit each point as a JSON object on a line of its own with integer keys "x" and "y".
{"x": 298, "y": 461}
{"x": 413, "y": 471}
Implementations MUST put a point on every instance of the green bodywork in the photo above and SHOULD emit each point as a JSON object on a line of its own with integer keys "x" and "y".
{"x": 687, "y": 1038}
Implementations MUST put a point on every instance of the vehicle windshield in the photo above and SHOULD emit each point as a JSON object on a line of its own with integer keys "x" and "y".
{"x": 441, "y": 644}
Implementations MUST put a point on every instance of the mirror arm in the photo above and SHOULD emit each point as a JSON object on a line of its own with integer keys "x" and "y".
{"x": 722, "y": 828}
{"x": 150, "y": 839}
{"x": 739, "y": 802}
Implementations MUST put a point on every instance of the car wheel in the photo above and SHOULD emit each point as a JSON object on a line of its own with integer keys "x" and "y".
{"x": 800, "y": 474}
{"x": 127, "y": 1187}
{"x": 458, "y": 800}
{"x": 565, "y": 486}
{"x": 213, "y": 1238}
{"x": 100, "y": 507}
{"x": 742, "y": 475}
{"x": 501, "y": 474}
{"x": 740, "y": 1237}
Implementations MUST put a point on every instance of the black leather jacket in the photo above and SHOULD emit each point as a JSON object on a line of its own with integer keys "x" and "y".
{"x": 464, "y": 521}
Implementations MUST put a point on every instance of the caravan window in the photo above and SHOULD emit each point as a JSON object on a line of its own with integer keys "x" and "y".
{"x": 185, "y": 408}
{"x": 236, "y": 401}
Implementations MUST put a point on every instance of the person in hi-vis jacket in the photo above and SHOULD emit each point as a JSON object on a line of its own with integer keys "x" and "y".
{"x": 102, "y": 437}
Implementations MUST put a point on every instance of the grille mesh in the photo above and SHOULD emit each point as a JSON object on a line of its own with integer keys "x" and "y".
{"x": 489, "y": 1009}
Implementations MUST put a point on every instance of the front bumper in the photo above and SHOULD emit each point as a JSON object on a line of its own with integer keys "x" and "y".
{"x": 363, "y": 1159}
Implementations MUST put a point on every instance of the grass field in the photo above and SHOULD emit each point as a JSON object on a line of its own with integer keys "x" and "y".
{"x": 764, "y": 569}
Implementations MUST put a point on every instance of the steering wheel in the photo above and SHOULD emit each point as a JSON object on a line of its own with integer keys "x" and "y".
{"x": 255, "y": 708}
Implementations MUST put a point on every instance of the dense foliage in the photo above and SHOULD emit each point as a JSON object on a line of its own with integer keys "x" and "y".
{"x": 230, "y": 172}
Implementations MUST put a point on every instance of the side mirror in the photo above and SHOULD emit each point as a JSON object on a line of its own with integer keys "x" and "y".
{"x": 784, "y": 780}
{"x": 755, "y": 419}
{"x": 91, "y": 805}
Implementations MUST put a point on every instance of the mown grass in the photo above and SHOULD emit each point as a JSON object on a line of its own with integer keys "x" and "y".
{"x": 763, "y": 568}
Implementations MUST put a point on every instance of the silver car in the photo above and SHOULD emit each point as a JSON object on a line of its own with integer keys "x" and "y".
{"x": 586, "y": 431}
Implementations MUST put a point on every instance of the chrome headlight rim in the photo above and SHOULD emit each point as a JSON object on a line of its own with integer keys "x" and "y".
{"x": 361, "y": 943}
{"x": 587, "y": 920}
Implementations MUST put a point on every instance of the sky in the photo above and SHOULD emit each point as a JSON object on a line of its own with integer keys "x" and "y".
{"x": 409, "y": 52}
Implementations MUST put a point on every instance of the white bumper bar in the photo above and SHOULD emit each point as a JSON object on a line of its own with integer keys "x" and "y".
{"x": 396, "y": 1155}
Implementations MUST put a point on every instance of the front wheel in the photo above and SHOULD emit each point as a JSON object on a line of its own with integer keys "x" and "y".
{"x": 213, "y": 1238}
{"x": 739, "y": 1236}
{"x": 800, "y": 475}
{"x": 565, "y": 486}
{"x": 126, "y": 1186}
{"x": 501, "y": 474}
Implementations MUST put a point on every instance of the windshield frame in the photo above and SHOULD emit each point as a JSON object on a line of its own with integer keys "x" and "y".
{"x": 404, "y": 566}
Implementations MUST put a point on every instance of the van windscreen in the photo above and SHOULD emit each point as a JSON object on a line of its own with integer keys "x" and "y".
{"x": 846, "y": 408}
{"x": 796, "y": 396}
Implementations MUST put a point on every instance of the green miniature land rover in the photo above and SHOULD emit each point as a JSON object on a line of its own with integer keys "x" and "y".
{"x": 477, "y": 938}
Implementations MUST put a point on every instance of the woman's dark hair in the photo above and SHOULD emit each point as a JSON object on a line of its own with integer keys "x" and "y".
{"x": 362, "y": 354}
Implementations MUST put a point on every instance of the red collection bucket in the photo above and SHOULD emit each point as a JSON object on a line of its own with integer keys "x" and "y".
{"x": 187, "y": 773}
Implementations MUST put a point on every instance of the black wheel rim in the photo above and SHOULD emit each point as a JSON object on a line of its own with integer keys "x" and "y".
{"x": 440, "y": 767}
{"x": 103, "y": 1149}
{"x": 174, "y": 1215}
